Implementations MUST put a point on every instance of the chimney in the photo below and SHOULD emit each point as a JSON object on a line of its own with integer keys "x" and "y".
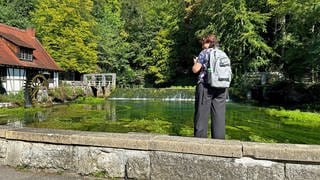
{"x": 31, "y": 32}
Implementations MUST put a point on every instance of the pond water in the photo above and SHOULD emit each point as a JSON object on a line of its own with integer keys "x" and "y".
{"x": 244, "y": 122}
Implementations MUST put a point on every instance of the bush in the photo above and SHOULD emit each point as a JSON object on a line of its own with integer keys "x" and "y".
{"x": 17, "y": 99}
{"x": 154, "y": 93}
{"x": 65, "y": 93}
{"x": 287, "y": 92}
{"x": 240, "y": 88}
{"x": 283, "y": 93}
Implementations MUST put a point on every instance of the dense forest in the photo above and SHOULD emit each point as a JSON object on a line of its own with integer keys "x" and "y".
{"x": 151, "y": 42}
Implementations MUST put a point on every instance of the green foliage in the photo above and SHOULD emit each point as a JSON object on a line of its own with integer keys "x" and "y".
{"x": 239, "y": 29}
{"x": 17, "y": 99}
{"x": 18, "y": 112}
{"x": 100, "y": 174}
{"x": 295, "y": 25}
{"x": 152, "y": 26}
{"x": 113, "y": 50}
{"x": 296, "y": 117}
{"x": 153, "y": 93}
{"x": 264, "y": 124}
{"x": 66, "y": 93}
{"x": 151, "y": 43}
{"x": 244, "y": 122}
{"x": 89, "y": 100}
{"x": 166, "y": 23}
{"x": 16, "y": 12}
{"x": 66, "y": 30}
{"x": 240, "y": 89}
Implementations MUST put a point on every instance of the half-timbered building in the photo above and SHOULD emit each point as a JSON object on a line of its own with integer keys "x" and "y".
{"x": 24, "y": 63}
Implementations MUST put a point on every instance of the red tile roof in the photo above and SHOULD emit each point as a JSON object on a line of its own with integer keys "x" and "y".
{"x": 24, "y": 38}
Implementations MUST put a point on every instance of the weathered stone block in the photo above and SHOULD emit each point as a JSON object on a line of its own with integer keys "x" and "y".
{"x": 302, "y": 172}
{"x": 286, "y": 152}
{"x": 49, "y": 156}
{"x": 261, "y": 169}
{"x": 3, "y": 148}
{"x": 16, "y": 151}
{"x": 202, "y": 146}
{"x": 176, "y": 166}
{"x": 3, "y": 151}
{"x": 104, "y": 161}
{"x": 138, "y": 165}
{"x": 37, "y": 155}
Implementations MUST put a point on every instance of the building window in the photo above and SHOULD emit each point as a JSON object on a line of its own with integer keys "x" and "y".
{"x": 25, "y": 54}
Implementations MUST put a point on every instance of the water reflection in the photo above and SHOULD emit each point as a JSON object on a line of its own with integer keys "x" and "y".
{"x": 108, "y": 107}
{"x": 28, "y": 117}
{"x": 247, "y": 123}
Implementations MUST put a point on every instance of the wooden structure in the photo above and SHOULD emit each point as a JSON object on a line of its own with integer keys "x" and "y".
{"x": 24, "y": 63}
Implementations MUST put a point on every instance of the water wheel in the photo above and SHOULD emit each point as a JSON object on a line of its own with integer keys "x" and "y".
{"x": 37, "y": 83}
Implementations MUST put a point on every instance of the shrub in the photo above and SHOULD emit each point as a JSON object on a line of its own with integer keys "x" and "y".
{"x": 65, "y": 93}
{"x": 17, "y": 98}
{"x": 240, "y": 88}
{"x": 287, "y": 93}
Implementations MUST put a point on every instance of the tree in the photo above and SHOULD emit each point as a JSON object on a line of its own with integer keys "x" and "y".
{"x": 140, "y": 34}
{"x": 65, "y": 28}
{"x": 296, "y": 32}
{"x": 151, "y": 43}
{"x": 239, "y": 29}
{"x": 113, "y": 48}
{"x": 16, "y": 12}
{"x": 164, "y": 44}
{"x": 151, "y": 26}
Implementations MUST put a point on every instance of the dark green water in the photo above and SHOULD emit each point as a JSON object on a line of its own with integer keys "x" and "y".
{"x": 246, "y": 123}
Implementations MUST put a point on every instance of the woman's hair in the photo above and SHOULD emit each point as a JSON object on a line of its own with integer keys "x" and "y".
{"x": 211, "y": 39}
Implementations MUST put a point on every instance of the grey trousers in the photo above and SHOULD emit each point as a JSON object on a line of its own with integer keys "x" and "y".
{"x": 210, "y": 101}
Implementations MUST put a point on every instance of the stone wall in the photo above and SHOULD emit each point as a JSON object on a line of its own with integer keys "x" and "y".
{"x": 151, "y": 156}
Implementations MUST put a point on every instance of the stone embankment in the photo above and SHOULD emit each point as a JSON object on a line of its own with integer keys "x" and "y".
{"x": 152, "y": 156}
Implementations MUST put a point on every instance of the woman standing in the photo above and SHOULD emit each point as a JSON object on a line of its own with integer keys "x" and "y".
{"x": 208, "y": 100}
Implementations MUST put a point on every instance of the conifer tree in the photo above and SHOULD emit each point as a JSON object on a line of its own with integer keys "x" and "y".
{"x": 152, "y": 26}
{"x": 239, "y": 29}
{"x": 296, "y": 29}
{"x": 113, "y": 48}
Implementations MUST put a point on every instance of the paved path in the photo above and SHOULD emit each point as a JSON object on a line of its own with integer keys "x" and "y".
{"x": 9, "y": 173}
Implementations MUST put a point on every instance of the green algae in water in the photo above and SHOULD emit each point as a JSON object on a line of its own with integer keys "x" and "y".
{"x": 245, "y": 123}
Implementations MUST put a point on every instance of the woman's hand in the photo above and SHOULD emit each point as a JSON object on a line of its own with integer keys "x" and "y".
{"x": 196, "y": 65}
{"x": 195, "y": 60}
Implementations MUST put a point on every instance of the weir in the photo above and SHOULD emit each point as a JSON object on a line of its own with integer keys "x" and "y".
{"x": 153, "y": 156}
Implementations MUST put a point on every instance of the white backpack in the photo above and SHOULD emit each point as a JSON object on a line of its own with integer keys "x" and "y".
{"x": 219, "y": 69}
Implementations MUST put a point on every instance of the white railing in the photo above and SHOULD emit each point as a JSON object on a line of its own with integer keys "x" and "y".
{"x": 100, "y": 80}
